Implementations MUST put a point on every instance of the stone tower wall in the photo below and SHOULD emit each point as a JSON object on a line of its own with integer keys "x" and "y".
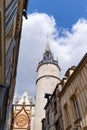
{"x": 48, "y": 69}
{"x": 48, "y": 77}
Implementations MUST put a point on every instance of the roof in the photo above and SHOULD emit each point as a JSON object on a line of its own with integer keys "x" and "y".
{"x": 25, "y": 99}
{"x": 47, "y": 46}
{"x": 69, "y": 80}
{"x": 74, "y": 73}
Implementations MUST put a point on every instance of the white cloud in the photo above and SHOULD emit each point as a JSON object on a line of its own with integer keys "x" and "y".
{"x": 69, "y": 47}
{"x": 73, "y": 45}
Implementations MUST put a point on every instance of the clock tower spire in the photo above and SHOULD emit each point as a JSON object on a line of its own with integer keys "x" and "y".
{"x": 48, "y": 55}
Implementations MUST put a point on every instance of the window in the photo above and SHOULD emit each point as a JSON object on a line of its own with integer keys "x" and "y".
{"x": 75, "y": 107}
{"x": 57, "y": 126}
{"x": 44, "y": 124}
{"x": 67, "y": 116}
{"x": 48, "y": 118}
{"x": 55, "y": 107}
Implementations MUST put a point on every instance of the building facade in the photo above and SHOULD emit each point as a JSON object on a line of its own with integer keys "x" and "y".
{"x": 11, "y": 12}
{"x": 48, "y": 77}
{"x": 53, "y": 118}
{"x": 74, "y": 98}
{"x": 23, "y": 113}
{"x": 66, "y": 108}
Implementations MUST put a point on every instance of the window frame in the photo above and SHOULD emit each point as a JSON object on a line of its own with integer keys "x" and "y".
{"x": 75, "y": 108}
{"x": 67, "y": 116}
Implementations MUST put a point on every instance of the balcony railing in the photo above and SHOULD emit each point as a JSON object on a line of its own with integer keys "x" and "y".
{"x": 9, "y": 15}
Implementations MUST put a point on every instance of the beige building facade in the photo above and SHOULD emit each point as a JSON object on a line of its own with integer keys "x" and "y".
{"x": 74, "y": 98}
{"x": 53, "y": 118}
{"x": 66, "y": 108}
{"x": 10, "y": 32}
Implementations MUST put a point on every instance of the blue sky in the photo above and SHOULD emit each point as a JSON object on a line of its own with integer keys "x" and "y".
{"x": 65, "y": 12}
{"x": 65, "y": 22}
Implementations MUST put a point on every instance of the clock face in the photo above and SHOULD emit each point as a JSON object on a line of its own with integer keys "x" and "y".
{"x": 21, "y": 120}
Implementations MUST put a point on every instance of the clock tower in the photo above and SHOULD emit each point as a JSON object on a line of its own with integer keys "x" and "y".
{"x": 48, "y": 78}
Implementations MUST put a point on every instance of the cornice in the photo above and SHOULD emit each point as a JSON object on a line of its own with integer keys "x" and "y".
{"x": 74, "y": 74}
{"x": 39, "y": 65}
{"x": 47, "y": 76}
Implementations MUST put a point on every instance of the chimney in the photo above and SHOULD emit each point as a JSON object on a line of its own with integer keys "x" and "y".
{"x": 69, "y": 72}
